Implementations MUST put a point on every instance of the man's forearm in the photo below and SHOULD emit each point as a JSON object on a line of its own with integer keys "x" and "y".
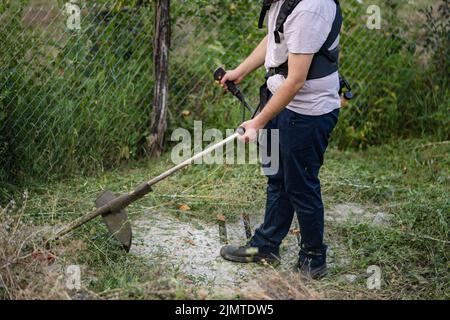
{"x": 284, "y": 95}
{"x": 255, "y": 60}
{"x": 299, "y": 65}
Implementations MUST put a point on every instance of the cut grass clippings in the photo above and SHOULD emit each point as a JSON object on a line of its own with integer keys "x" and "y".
{"x": 409, "y": 181}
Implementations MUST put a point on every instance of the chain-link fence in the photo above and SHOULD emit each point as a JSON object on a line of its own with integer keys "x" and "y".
{"x": 76, "y": 80}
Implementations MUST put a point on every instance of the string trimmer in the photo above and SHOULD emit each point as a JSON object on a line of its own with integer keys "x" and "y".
{"x": 112, "y": 207}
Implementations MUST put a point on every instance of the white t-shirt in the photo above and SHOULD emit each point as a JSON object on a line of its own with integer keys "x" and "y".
{"x": 305, "y": 31}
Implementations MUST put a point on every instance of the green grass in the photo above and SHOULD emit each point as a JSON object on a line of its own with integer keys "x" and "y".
{"x": 399, "y": 97}
{"x": 408, "y": 180}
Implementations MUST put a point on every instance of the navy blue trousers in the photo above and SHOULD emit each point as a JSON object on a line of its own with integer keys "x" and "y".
{"x": 295, "y": 187}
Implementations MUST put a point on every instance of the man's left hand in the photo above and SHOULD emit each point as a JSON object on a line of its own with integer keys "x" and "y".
{"x": 252, "y": 128}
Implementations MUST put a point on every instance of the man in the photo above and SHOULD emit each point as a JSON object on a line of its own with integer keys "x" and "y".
{"x": 304, "y": 107}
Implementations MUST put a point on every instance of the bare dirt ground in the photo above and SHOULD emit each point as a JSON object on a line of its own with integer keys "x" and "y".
{"x": 192, "y": 248}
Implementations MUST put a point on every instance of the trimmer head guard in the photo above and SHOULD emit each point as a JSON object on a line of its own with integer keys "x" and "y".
{"x": 117, "y": 222}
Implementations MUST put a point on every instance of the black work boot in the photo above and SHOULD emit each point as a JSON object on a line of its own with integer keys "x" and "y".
{"x": 312, "y": 265}
{"x": 248, "y": 254}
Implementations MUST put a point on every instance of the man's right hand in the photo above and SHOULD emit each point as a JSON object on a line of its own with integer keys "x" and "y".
{"x": 232, "y": 75}
{"x": 253, "y": 62}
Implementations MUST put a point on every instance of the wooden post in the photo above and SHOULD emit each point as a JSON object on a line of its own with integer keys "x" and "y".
{"x": 161, "y": 46}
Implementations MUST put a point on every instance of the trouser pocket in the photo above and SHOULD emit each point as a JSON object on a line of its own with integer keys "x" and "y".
{"x": 308, "y": 137}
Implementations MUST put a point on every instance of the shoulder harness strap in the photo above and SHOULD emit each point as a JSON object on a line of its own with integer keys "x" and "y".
{"x": 262, "y": 16}
{"x": 334, "y": 33}
{"x": 286, "y": 10}
{"x": 325, "y": 62}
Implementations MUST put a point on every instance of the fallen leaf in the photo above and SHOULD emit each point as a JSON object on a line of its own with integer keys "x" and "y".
{"x": 191, "y": 242}
{"x": 37, "y": 254}
{"x": 184, "y": 207}
{"x": 51, "y": 257}
{"x": 186, "y": 113}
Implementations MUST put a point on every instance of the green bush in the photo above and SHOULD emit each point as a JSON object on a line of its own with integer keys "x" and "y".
{"x": 403, "y": 95}
{"x": 75, "y": 101}
{"x": 206, "y": 35}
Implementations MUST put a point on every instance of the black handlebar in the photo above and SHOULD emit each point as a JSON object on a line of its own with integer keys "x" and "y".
{"x": 233, "y": 88}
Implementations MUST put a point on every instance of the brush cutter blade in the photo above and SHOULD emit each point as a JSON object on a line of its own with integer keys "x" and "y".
{"x": 117, "y": 222}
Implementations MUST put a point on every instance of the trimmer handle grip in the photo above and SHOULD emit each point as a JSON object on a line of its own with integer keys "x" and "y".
{"x": 241, "y": 131}
{"x": 231, "y": 86}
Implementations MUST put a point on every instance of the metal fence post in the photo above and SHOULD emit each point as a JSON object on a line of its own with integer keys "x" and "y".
{"x": 155, "y": 143}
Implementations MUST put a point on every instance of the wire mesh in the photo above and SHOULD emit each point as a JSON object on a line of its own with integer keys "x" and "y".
{"x": 78, "y": 98}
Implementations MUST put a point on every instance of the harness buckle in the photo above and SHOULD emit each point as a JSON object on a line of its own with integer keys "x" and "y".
{"x": 343, "y": 83}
